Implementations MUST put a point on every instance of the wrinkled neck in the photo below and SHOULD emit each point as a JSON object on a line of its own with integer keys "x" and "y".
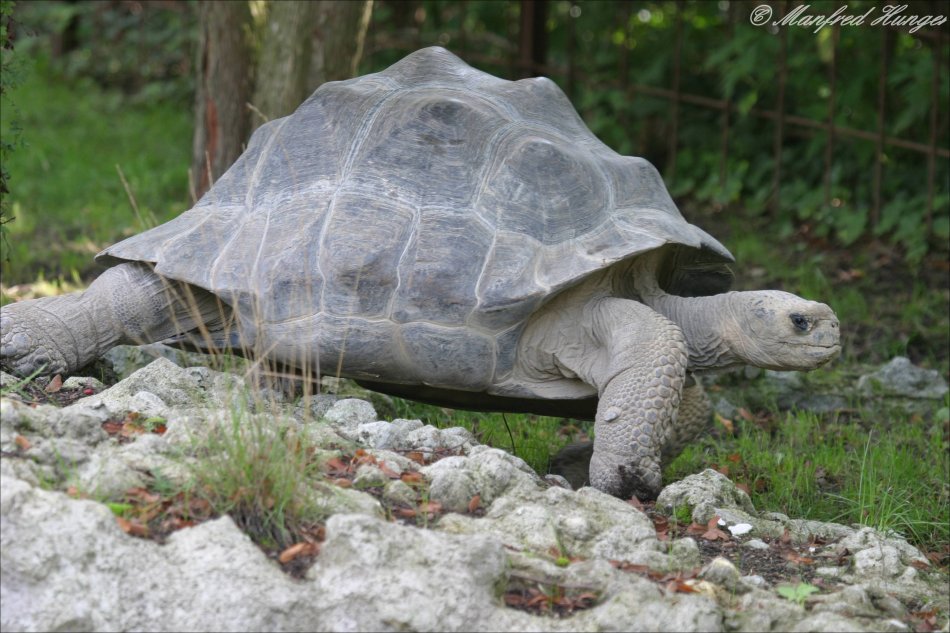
{"x": 705, "y": 322}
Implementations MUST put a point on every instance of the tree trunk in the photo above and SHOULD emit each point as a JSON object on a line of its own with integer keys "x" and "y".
{"x": 282, "y": 70}
{"x": 222, "y": 120}
{"x": 339, "y": 38}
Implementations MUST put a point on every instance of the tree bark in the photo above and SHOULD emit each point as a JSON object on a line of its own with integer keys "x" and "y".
{"x": 222, "y": 120}
{"x": 283, "y": 67}
{"x": 339, "y": 38}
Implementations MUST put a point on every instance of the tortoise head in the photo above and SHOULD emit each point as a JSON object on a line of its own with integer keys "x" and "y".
{"x": 778, "y": 330}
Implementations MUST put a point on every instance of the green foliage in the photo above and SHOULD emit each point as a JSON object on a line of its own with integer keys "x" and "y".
{"x": 533, "y": 438}
{"x": 68, "y": 198}
{"x": 797, "y": 593}
{"x": 837, "y": 470}
{"x": 261, "y": 474}
{"x": 145, "y": 50}
{"x": 119, "y": 509}
{"x": 10, "y": 126}
{"x": 683, "y": 515}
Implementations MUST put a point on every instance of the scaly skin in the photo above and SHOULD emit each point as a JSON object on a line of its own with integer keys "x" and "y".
{"x": 692, "y": 420}
{"x": 636, "y": 409}
{"x": 54, "y": 335}
{"x": 636, "y": 353}
{"x": 128, "y": 303}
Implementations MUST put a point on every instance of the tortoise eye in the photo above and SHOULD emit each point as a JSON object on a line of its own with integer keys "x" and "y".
{"x": 800, "y": 322}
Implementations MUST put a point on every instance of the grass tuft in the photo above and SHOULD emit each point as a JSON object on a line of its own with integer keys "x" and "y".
{"x": 261, "y": 475}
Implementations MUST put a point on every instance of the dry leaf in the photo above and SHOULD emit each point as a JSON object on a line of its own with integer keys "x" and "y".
{"x": 142, "y": 494}
{"x": 132, "y": 527}
{"x": 927, "y": 620}
{"x": 695, "y": 528}
{"x": 514, "y": 599}
{"x": 411, "y": 478}
{"x": 55, "y": 384}
{"x": 713, "y": 532}
{"x": 111, "y": 427}
{"x": 335, "y": 464}
{"x": 936, "y": 557}
{"x": 291, "y": 553}
{"x": 662, "y": 525}
{"x": 417, "y": 457}
{"x": 794, "y": 557}
{"x": 474, "y": 503}
{"x": 726, "y": 423}
{"x": 432, "y": 507}
{"x": 680, "y": 586}
{"x": 364, "y": 459}
{"x": 636, "y": 503}
{"x": 716, "y": 534}
{"x": 22, "y": 443}
{"x": 630, "y": 567}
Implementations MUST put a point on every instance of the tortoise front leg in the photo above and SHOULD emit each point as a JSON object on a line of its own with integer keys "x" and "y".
{"x": 640, "y": 391}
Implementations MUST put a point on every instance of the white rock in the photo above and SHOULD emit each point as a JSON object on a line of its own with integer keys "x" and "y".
{"x": 740, "y": 528}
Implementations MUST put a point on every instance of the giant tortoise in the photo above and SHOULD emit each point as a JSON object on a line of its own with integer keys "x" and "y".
{"x": 445, "y": 235}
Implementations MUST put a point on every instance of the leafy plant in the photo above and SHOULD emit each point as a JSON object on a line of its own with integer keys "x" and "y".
{"x": 797, "y": 593}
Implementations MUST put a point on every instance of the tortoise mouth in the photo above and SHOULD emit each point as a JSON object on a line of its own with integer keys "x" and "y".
{"x": 802, "y": 356}
{"x": 822, "y": 353}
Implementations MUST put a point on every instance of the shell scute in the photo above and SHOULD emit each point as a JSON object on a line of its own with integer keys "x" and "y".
{"x": 543, "y": 188}
{"x": 426, "y": 148}
{"x": 358, "y": 264}
{"x": 440, "y": 269}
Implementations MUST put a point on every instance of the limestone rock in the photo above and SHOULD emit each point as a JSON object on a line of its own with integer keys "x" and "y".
{"x": 900, "y": 377}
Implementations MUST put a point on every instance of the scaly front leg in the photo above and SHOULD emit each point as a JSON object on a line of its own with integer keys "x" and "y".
{"x": 640, "y": 387}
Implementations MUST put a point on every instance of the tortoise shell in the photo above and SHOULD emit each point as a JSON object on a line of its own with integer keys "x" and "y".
{"x": 403, "y": 226}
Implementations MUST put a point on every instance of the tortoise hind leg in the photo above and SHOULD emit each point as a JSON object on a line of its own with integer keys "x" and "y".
{"x": 128, "y": 303}
{"x": 573, "y": 463}
{"x": 692, "y": 419}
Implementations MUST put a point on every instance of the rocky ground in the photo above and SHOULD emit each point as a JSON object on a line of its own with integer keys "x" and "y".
{"x": 423, "y": 529}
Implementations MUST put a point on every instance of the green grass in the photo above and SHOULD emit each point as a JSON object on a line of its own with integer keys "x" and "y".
{"x": 261, "y": 474}
{"x": 533, "y": 438}
{"x": 65, "y": 191}
{"x": 888, "y": 472}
